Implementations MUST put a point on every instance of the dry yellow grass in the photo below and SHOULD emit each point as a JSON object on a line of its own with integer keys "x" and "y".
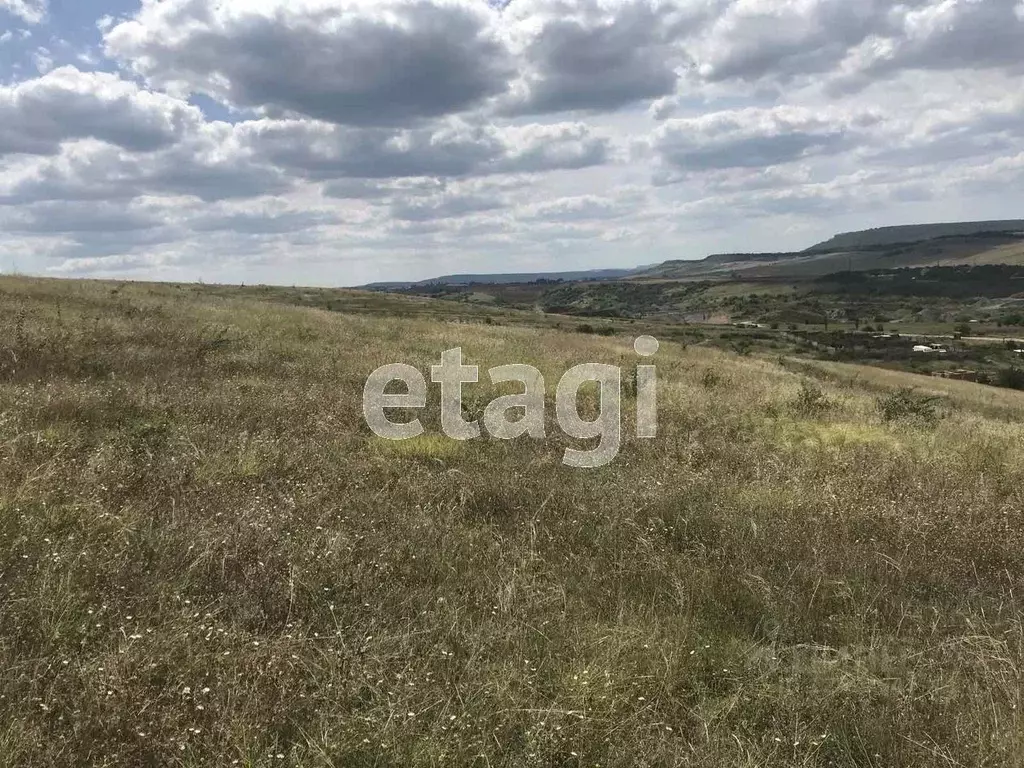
{"x": 1012, "y": 253}
{"x": 207, "y": 559}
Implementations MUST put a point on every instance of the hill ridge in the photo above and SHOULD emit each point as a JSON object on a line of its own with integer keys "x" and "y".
{"x": 911, "y": 233}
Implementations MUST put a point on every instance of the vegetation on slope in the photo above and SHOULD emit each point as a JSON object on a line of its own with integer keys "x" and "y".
{"x": 205, "y": 557}
{"x": 910, "y": 246}
{"x": 910, "y": 233}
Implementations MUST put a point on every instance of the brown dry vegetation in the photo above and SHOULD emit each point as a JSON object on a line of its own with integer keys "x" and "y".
{"x": 207, "y": 559}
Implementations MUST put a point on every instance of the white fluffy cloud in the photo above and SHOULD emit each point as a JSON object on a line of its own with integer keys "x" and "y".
{"x": 754, "y": 138}
{"x": 29, "y": 11}
{"x": 354, "y": 140}
{"x": 597, "y": 55}
{"x": 792, "y": 40}
{"x": 353, "y": 62}
{"x": 579, "y": 208}
{"x": 444, "y": 206}
{"x": 37, "y": 116}
{"x": 454, "y": 148}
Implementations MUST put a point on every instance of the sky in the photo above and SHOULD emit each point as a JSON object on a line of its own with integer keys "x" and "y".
{"x": 341, "y": 142}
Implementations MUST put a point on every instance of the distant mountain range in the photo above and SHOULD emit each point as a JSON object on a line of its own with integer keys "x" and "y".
{"x": 916, "y": 245}
{"x": 523, "y": 277}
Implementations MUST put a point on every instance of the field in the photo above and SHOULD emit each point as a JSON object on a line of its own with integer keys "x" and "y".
{"x": 206, "y": 558}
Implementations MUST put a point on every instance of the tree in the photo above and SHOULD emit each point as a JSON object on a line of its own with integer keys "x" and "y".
{"x": 1012, "y": 378}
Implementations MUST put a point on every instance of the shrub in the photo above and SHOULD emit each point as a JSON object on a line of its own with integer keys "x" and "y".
{"x": 811, "y": 400}
{"x": 711, "y": 378}
{"x": 907, "y": 404}
{"x": 1011, "y": 378}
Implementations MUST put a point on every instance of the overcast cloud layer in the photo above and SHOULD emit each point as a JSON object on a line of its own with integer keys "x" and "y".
{"x": 340, "y": 142}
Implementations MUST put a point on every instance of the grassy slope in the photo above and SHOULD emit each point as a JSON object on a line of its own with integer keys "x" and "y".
{"x": 947, "y": 251}
{"x": 1013, "y": 253}
{"x": 205, "y": 557}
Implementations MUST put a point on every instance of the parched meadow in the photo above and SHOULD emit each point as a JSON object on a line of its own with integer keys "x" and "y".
{"x": 207, "y": 558}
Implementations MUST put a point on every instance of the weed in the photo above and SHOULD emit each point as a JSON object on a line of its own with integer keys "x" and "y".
{"x": 811, "y": 400}
{"x": 710, "y": 378}
{"x": 906, "y": 403}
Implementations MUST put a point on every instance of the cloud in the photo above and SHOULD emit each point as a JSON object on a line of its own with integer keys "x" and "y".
{"x": 261, "y": 221}
{"x": 357, "y": 189}
{"x": 375, "y": 190}
{"x": 545, "y": 147}
{"x": 596, "y": 54}
{"x": 752, "y": 138}
{"x": 350, "y": 62}
{"x": 581, "y": 208}
{"x": 29, "y": 11}
{"x": 755, "y": 39}
{"x": 89, "y": 229}
{"x": 78, "y": 217}
{"x": 319, "y": 150}
{"x": 947, "y": 35}
{"x": 955, "y": 130}
{"x": 854, "y": 42}
{"x": 663, "y": 108}
{"x": 454, "y": 149}
{"x": 447, "y": 206}
{"x": 36, "y": 116}
{"x": 287, "y": 136}
{"x": 209, "y": 165}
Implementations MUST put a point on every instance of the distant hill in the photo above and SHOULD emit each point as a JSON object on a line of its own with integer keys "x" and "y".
{"x": 983, "y": 246}
{"x": 525, "y": 277}
{"x": 916, "y": 245}
{"x": 915, "y": 233}
{"x": 733, "y": 258}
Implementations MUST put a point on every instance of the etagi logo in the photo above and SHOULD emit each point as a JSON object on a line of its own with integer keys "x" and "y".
{"x": 451, "y": 374}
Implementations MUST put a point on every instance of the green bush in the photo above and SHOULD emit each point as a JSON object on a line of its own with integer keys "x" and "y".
{"x": 905, "y": 404}
{"x": 811, "y": 400}
{"x": 1011, "y": 378}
